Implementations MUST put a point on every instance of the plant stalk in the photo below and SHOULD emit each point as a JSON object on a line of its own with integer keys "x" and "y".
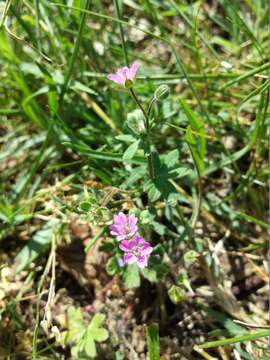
{"x": 147, "y": 128}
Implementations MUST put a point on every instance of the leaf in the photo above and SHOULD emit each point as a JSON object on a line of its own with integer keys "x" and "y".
{"x": 135, "y": 122}
{"x": 182, "y": 280}
{"x": 156, "y": 162}
{"x": 194, "y": 151}
{"x": 180, "y": 172}
{"x": 190, "y": 257}
{"x": 30, "y": 68}
{"x": 76, "y": 328}
{"x": 131, "y": 151}
{"x": 6, "y": 211}
{"x": 39, "y": 244}
{"x": 161, "y": 269}
{"x": 89, "y": 346}
{"x": 84, "y": 338}
{"x": 173, "y": 198}
{"x": 81, "y": 87}
{"x": 112, "y": 266}
{"x": 125, "y": 138}
{"x": 136, "y": 174}
{"x": 248, "y": 337}
{"x": 119, "y": 355}
{"x": 161, "y": 184}
{"x": 172, "y": 158}
{"x": 102, "y": 155}
{"x": 152, "y": 337}
{"x": 228, "y": 324}
{"x": 97, "y": 321}
{"x": 159, "y": 228}
{"x": 150, "y": 274}
{"x": 153, "y": 193}
{"x": 195, "y": 124}
{"x": 146, "y": 216}
{"x": 132, "y": 277}
{"x": 99, "y": 335}
{"x": 75, "y": 351}
{"x": 86, "y": 206}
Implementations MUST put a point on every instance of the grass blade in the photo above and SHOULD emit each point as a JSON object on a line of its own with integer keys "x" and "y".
{"x": 152, "y": 336}
{"x": 75, "y": 53}
{"x": 249, "y": 337}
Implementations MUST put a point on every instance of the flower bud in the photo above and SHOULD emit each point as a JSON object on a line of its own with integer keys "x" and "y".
{"x": 128, "y": 84}
{"x": 162, "y": 92}
{"x": 176, "y": 294}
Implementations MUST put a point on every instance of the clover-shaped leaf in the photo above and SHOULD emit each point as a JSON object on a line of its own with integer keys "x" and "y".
{"x": 90, "y": 347}
{"x": 95, "y": 333}
{"x": 83, "y": 338}
{"x": 96, "y": 321}
{"x": 76, "y": 326}
{"x": 99, "y": 335}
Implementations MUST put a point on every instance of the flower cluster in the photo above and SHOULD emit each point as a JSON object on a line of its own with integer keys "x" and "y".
{"x": 135, "y": 248}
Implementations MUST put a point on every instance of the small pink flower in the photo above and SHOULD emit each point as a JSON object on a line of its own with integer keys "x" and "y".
{"x": 136, "y": 250}
{"x": 123, "y": 227}
{"x": 125, "y": 76}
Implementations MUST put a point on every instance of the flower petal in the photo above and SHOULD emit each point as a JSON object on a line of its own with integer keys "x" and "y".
{"x": 140, "y": 242}
{"x": 123, "y": 72}
{"x": 133, "y": 70}
{"x": 142, "y": 261}
{"x": 132, "y": 221}
{"x": 130, "y": 258}
{"x": 126, "y": 245}
{"x": 121, "y": 237}
{"x": 120, "y": 219}
{"x": 117, "y": 79}
{"x": 116, "y": 230}
{"x": 146, "y": 249}
{"x": 136, "y": 240}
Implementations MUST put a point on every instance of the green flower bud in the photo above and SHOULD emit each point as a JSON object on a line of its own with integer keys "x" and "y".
{"x": 162, "y": 92}
{"x": 128, "y": 84}
{"x": 176, "y": 294}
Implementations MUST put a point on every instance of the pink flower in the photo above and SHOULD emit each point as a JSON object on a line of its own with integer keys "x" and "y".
{"x": 124, "y": 227}
{"x": 136, "y": 250}
{"x": 125, "y": 76}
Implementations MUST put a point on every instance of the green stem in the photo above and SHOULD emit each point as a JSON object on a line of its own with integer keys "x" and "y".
{"x": 152, "y": 102}
{"x": 37, "y": 320}
{"x": 147, "y": 128}
{"x": 92, "y": 241}
{"x": 197, "y": 209}
{"x": 134, "y": 97}
{"x": 199, "y": 203}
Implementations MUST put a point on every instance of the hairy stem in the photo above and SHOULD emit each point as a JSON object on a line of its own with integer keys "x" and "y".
{"x": 196, "y": 212}
{"x": 147, "y": 128}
